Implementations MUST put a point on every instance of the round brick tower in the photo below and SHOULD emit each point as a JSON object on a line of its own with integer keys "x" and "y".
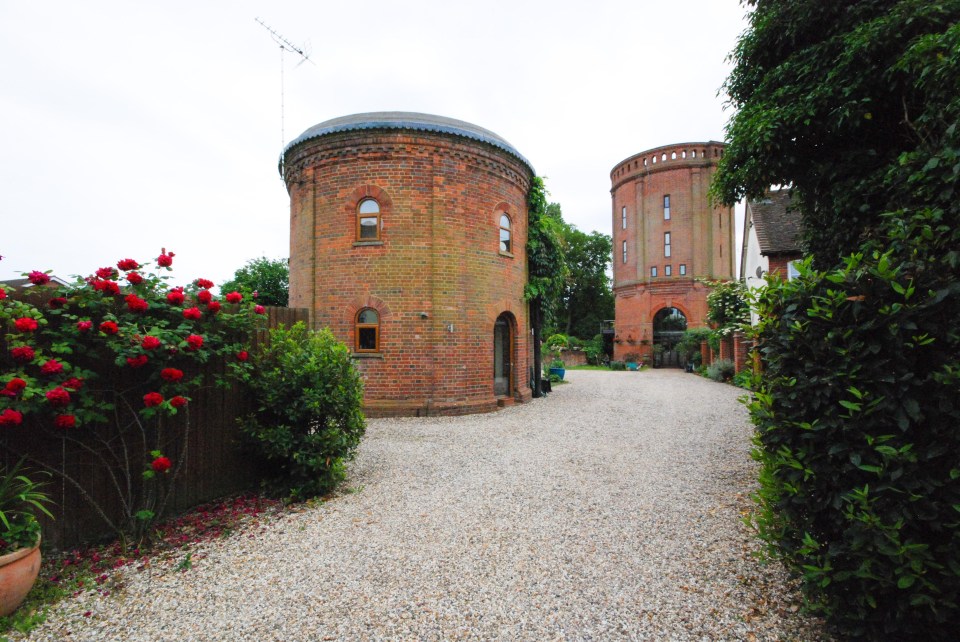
{"x": 407, "y": 239}
{"x": 666, "y": 235}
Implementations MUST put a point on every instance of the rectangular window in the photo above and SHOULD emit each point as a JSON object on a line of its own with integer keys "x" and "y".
{"x": 624, "y": 251}
{"x": 667, "y": 270}
{"x": 666, "y": 207}
{"x": 792, "y": 271}
{"x": 683, "y": 269}
{"x": 623, "y": 218}
{"x": 666, "y": 244}
{"x": 653, "y": 271}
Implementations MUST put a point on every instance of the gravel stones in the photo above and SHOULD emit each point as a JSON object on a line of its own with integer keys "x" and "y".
{"x": 610, "y": 510}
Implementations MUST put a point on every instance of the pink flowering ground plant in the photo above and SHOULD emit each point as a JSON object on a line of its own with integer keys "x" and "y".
{"x": 109, "y": 365}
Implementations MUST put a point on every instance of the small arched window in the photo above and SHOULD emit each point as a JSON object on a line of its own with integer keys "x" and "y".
{"x": 368, "y": 330}
{"x": 368, "y": 220}
{"x": 506, "y": 244}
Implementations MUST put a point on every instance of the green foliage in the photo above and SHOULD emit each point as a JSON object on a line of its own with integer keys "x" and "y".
{"x": 545, "y": 258}
{"x": 557, "y": 363}
{"x": 721, "y": 370}
{"x": 688, "y": 348}
{"x": 618, "y": 365}
{"x": 268, "y": 278}
{"x": 587, "y": 297}
{"x": 727, "y": 307}
{"x": 20, "y": 498}
{"x": 557, "y": 342}
{"x": 308, "y": 417}
{"x": 575, "y": 343}
{"x": 593, "y": 349}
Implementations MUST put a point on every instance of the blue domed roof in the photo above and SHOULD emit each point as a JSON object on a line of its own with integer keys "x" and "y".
{"x": 407, "y": 120}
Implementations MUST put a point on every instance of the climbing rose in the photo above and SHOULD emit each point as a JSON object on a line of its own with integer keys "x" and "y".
{"x": 134, "y": 278}
{"x": 243, "y": 355}
{"x": 204, "y": 296}
{"x": 11, "y": 418}
{"x": 3, "y": 294}
{"x": 161, "y": 464}
{"x": 65, "y": 421}
{"x": 22, "y": 354}
{"x": 38, "y": 278}
{"x": 171, "y": 374}
{"x": 58, "y": 397}
{"x": 137, "y": 361}
{"x": 194, "y": 341}
{"x": 73, "y": 383}
{"x": 57, "y": 302}
{"x": 152, "y": 399}
{"x": 192, "y": 313}
{"x": 234, "y": 297}
{"x": 109, "y": 327}
{"x": 165, "y": 259}
{"x": 106, "y": 273}
{"x": 25, "y": 324}
{"x": 128, "y": 264}
{"x": 175, "y": 296}
{"x": 178, "y": 402}
{"x": 206, "y": 284}
{"x": 110, "y": 287}
{"x": 136, "y": 304}
{"x": 213, "y": 307}
{"x": 51, "y": 367}
{"x": 260, "y": 309}
{"x": 150, "y": 343}
{"x": 16, "y": 384}
{"x": 83, "y": 326}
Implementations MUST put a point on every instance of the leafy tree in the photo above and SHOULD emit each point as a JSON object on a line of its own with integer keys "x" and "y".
{"x": 587, "y": 298}
{"x": 727, "y": 306}
{"x": 856, "y": 104}
{"x": 269, "y": 278}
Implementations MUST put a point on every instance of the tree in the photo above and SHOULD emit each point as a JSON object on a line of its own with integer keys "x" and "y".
{"x": 587, "y": 299}
{"x": 856, "y": 104}
{"x": 269, "y": 278}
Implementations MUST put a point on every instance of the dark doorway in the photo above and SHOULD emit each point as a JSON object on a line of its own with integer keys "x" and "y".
{"x": 502, "y": 356}
{"x": 669, "y": 324}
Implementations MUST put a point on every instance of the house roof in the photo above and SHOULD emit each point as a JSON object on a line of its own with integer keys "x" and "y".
{"x": 25, "y": 283}
{"x": 777, "y": 225}
{"x": 407, "y": 120}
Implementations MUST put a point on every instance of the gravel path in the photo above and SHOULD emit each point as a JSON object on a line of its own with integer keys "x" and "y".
{"x": 609, "y": 511}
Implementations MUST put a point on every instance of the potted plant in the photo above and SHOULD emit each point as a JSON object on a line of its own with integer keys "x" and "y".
{"x": 631, "y": 358}
{"x": 658, "y": 350}
{"x": 19, "y": 536}
{"x": 557, "y": 367}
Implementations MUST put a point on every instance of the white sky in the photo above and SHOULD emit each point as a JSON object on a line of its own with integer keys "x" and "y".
{"x": 130, "y": 126}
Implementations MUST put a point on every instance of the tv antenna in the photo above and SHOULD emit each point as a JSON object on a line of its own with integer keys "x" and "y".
{"x": 285, "y": 45}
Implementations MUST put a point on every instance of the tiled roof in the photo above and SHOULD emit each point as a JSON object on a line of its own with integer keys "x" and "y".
{"x": 778, "y": 226}
{"x": 407, "y": 120}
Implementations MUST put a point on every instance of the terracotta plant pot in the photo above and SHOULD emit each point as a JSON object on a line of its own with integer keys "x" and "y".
{"x": 18, "y": 572}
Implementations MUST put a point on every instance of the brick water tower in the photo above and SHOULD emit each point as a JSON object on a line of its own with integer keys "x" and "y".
{"x": 666, "y": 235}
{"x": 408, "y": 240}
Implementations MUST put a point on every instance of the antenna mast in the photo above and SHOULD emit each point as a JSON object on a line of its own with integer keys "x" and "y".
{"x": 285, "y": 45}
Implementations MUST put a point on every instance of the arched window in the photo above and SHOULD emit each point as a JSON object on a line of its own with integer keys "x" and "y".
{"x": 368, "y": 220}
{"x": 506, "y": 244}
{"x": 368, "y": 330}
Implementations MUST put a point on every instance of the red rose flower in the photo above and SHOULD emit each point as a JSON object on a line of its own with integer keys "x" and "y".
{"x": 192, "y": 313}
{"x": 234, "y": 297}
{"x": 171, "y": 374}
{"x": 178, "y": 402}
{"x": 65, "y": 421}
{"x": 106, "y": 273}
{"x": 165, "y": 259}
{"x": 152, "y": 399}
{"x": 175, "y": 296}
{"x": 58, "y": 397}
{"x": 57, "y": 302}
{"x": 260, "y": 309}
{"x": 204, "y": 296}
{"x": 128, "y": 264}
{"x": 213, "y": 307}
{"x": 16, "y": 384}
{"x": 51, "y": 367}
{"x": 137, "y": 361}
{"x": 194, "y": 342}
{"x": 11, "y": 417}
{"x": 150, "y": 343}
{"x": 7, "y": 393}
{"x": 205, "y": 284}
{"x": 108, "y": 287}
{"x": 22, "y": 354}
{"x": 243, "y": 355}
{"x": 134, "y": 278}
{"x": 109, "y": 327}
{"x": 161, "y": 464}
{"x": 25, "y": 324}
{"x": 3, "y": 294}
{"x": 136, "y": 304}
{"x": 73, "y": 383}
{"x": 39, "y": 278}
{"x": 255, "y": 294}
{"x": 83, "y": 326}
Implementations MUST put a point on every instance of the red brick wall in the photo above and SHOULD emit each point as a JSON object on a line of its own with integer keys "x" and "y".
{"x": 437, "y": 277}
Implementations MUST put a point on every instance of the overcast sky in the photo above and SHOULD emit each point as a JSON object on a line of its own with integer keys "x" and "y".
{"x": 130, "y": 126}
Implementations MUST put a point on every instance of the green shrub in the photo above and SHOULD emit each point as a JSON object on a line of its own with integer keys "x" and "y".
{"x": 593, "y": 350}
{"x": 308, "y": 417}
{"x": 618, "y": 365}
{"x": 743, "y": 379}
{"x": 574, "y": 343}
{"x": 721, "y": 370}
{"x": 557, "y": 342}
{"x": 689, "y": 345}
{"x": 557, "y": 363}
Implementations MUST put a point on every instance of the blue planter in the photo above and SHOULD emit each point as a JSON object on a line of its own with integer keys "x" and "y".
{"x": 631, "y": 365}
{"x": 559, "y": 372}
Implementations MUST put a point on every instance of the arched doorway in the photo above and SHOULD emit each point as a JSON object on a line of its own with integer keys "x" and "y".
{"x": 503, "y": 356}
{"x": 669, "y": 324}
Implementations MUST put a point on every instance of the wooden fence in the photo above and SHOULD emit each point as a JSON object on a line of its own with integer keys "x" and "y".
{"x": 213, "y": 459}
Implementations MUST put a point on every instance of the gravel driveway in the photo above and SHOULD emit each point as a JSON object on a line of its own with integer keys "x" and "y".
{"x": 610, "y": 510}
